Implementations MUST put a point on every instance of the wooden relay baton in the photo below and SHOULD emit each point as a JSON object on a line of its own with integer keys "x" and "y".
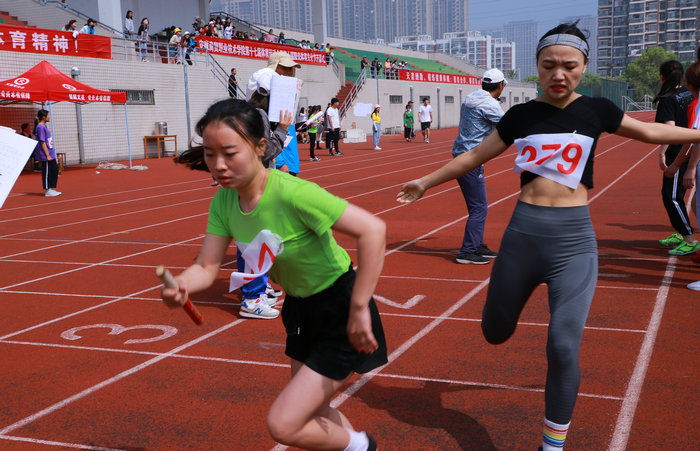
{"x": 169, "y": 281}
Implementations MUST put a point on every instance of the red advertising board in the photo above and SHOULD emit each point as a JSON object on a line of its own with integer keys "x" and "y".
{"x": 247, "y": 48}
{"x": 437, "y": 77}
{"x": 50, "y": 42}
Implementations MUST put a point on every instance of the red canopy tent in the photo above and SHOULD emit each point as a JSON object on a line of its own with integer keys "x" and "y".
{"x": 44, "y": 83}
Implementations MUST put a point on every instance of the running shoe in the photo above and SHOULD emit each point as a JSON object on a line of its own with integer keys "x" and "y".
{"x": 469, "y": 258}
{"x": 695, "y": 286}
{"x": 258, "y": 308}
{"x": 52, "y": 193}
{"x": 372, "y": 444}
{"x": 270, "y": 291}
{"x": 672, "y": 241}
{"x": 315, "y": 159}
{"x": 377, "y": 148}
{"x": 339, "y": 154}
{"x": 485, "y": 251}
{"x": 685, "y": 248}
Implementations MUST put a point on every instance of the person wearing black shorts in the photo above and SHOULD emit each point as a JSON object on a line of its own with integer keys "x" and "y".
{"x": 332, "y": 323}
{"x": 550, "y": 238}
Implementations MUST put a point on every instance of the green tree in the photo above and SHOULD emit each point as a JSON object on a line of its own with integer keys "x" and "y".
{"x": 643, "y": 72}
{"x": 532, "y": 79}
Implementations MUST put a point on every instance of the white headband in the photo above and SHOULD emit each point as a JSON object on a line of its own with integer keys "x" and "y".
{"x": 563, "y": 39}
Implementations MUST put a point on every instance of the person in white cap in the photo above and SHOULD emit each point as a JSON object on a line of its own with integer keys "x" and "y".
{"x": 480, "y": 112}
{"x": 376, "y": 126}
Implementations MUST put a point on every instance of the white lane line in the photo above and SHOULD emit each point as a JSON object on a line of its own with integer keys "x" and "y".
{"x": 55, "y": 443}
{"x": 92, "y": 265}
{"x": 88, "y": 391}
{"x": 94, "y": 307}
{"x": 634, "y": 389}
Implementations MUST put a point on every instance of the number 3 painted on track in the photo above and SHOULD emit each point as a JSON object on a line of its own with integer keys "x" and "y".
{"x": 116, "y": 329}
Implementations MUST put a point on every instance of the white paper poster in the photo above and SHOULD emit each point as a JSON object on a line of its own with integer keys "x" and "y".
{"x": 15, "y": 150}
{"x": 284, "y": 96}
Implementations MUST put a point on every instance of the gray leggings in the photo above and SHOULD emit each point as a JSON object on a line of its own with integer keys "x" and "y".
{"x": 556, "y": 246}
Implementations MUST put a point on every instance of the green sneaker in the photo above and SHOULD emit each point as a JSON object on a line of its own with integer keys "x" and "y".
{"x": 685, "y": 248}
{"x": 672, "y": 241}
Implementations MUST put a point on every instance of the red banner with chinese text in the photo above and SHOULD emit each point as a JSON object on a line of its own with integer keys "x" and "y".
{"x": 437, "y": 77}
{"x": 247, "y": 48}
{"x": 49, "y": 42}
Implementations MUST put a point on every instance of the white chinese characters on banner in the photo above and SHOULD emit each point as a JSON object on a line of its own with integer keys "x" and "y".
{"x": 259, "y": 257}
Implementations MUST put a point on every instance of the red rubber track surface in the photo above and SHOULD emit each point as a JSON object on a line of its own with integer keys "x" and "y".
{"x": 92, "y": 359}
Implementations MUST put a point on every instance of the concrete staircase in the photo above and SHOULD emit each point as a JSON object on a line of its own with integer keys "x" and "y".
{"x": 7, "y": 19}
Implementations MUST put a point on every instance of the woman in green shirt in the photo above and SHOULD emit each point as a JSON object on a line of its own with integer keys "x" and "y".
{"x": 408, "y": 122}
{"x": 332, "y": 323}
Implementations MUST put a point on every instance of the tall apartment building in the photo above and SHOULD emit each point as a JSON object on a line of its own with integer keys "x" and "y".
{"x": 361, "y": 20}
{"x": 473, "y": 46}
{"x": 628, "y": 27}
{"x": 525, "y": 34}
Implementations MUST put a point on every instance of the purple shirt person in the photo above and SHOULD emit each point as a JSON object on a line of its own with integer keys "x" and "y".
{"x": 44, "y": 135}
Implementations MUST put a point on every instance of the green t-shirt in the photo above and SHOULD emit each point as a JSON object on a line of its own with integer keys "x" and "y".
{"x": 301, "y": 213}
{"x": 408, "y": 119}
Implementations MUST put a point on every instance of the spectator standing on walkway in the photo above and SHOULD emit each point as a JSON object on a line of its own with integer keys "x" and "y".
{"x": 363, "y": 63}
{"x": 408, "y": 122}
{"x": 376, "y": 127}
{"x": 187, "y": 45}
{"x": 425, "y": 113}
{"x": 45, "y": 154}
{"x": 334, "y": 127}
{"x": 89, "y": 27}
{"x": 129, "y": 25}
{"x": 479, "y": 114}
{"x": 376, "y": 67}
{"x": 174, "y": 46}
{"x": 143, "y": 37}
{"x": 233, "y": 84}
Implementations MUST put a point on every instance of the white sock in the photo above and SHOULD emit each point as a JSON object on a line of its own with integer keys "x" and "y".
{"x": 554, "y": 435}
{"x": 358, "y": 441}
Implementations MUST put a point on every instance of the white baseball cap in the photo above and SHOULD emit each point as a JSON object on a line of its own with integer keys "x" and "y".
{"x": 494, "y": 76}
{"x": 260, "y": 82}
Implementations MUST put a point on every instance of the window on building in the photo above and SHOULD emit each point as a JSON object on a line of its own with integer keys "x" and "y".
{"x": 396, "y": 100}
{"x": 650, "y": 27}
{"x": 137, "y": 97}
{"x": 516, "y": 99}
{"x": 449, "y": 99}
{"x": 685, "y": 13}
{"x": 651, "y": 6}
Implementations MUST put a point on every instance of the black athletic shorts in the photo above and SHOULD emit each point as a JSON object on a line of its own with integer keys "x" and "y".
{"x": 317, "y": 331}
{"x": 424, "y": 125}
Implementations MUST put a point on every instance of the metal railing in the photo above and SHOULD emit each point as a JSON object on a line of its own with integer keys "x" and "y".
{"x": 352, "y": 95}
{"x": 631, "y": 105}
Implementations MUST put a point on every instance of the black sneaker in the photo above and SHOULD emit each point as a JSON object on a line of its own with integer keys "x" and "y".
{"x": 372, "y": 444}
{"x": 485, "y": 252}
{"x": 472, "y": 258}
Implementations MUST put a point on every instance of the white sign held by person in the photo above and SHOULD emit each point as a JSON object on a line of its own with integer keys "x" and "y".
{"x": 259, "y": 255}
{"x": 14, "y": 152}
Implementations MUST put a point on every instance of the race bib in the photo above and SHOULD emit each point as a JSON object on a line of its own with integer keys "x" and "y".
{"x": 50, "y": 142}
{"x": 560, "y": 157}
{"x": 259, "y": 256}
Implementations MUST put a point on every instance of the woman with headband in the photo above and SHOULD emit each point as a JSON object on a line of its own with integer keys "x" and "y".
{"x": 550, "y": 238}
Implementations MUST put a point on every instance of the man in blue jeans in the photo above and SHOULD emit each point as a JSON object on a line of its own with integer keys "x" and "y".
{"x": 479, "y": 114}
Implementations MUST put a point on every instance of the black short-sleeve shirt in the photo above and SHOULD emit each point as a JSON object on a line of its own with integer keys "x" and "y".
{"x": 589, "y": 116}
{"x": 674, "y": 108}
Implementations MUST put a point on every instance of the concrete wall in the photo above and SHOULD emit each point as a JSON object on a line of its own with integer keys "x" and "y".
{"x": 445, "y": 114}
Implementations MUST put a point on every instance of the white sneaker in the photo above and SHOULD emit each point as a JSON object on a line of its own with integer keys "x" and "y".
{"x": 258, "y": 308}
{"x": 52, "y": 193}
{"x": 377, "y": 148}
{"x": 695, "y": 286}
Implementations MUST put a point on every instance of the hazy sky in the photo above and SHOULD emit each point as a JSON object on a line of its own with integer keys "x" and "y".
{"x": 491, "y": 14}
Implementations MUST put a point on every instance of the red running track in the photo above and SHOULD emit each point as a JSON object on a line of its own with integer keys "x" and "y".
{"x": 93, "y": 360}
